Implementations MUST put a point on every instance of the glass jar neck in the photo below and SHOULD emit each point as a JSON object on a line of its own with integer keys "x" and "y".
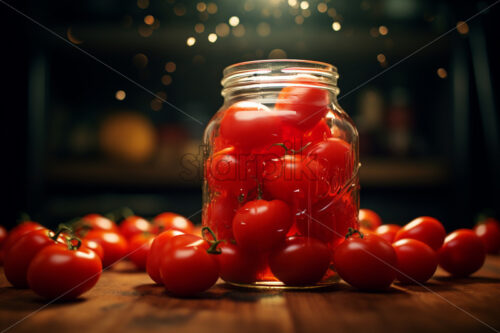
{"x": 261, "y": 77}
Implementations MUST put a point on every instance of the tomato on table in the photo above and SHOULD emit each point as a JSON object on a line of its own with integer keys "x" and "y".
{"x": 366, "y": 263}
{"x": 168, "y": 220}
{"x": 156, "y": 253}
{"x": 300, "y": 261}
{"x": 489, "y": 233}
{"x": 94, "y": 246}
{"x": 425, "y": 229}
{"x": 63, "y": 271}
{"x": 219, "y": 214}
{"x": 237, "y": 266}
{"x": 462, "y": 253}
{"x": 259, "y": 225}
{"x": 369, "y": 219}
{"x": 134, "y": 225}
{"x": 94, "y": 222}
{"x": 19, "y": 231}
{"x": 387, "y": 231}
{"x": 138, "y": 249}
{"x": 114, "y": 245}
{"x": 417, "y": 261}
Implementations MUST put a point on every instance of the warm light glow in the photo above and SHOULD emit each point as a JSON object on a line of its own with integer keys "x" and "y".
{"x": 201, "y": 6}
{"x": 234, "y": 21}
{"x": 143, "y": 4}
{"x": 383, "y": 30}
{"x": 374, "y": 32}
{"x": 306, "y": 13}
{"x": 212, "y": 38}
{"x": 304, "y": 5}
{"x": 199, "y": 28}
{"x": 190, "y": 41}
{"x": 292, "y": 3}
{"x": 332, "y": 12}
{"x": 462, "y": 27}
{"x": 166, "y": 80}
{"x": 170, "y": 67}
{"x": 322, "y": 7}
{"x": 263, "y": 29}
{"x": 212, "y": 8}
{"x": 381, "y": 57}
{"x": 120, "y": 95}
{"x": 145, "y": 31}
{"x": 248, "y": 6}
{"x": 336, "y": 26}
{"x": 140, "y": 60}
{"x": 239, "y": 31}
{"x": 156, "y": 104}
{"x": 222, "y": 30}
{"x": 71, "y": 37}
{"x": 442, "y": 73}
{"x": 180, "y": 10}
{"x": 149, "y": 19}
{"x": 277, "y": 54}
{"x": 299, "y": 19}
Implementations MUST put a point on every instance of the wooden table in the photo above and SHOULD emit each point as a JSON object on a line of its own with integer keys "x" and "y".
{"x": 127, "y": 301}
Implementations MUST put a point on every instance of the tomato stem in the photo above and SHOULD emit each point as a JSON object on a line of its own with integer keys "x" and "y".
{"x": 352, "y": 231}
{"x": 213, "y": 243}
{"x": 289, "y": 151}
{"x": 71, "y": 246}
{"x": 60, "y": 229}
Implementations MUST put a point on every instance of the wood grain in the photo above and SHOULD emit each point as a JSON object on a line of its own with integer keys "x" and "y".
{"x": 127, "y": 301}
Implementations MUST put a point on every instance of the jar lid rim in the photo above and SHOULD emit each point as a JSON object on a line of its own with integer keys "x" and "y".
{"x": 231, "y": 69}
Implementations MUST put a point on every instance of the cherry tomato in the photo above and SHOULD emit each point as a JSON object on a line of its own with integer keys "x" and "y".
{"x": 3, "y": 235}
{"x": 250, "y": 125}
{"x": 114, "y": 245}
{"x": 369, "y": 219}
{"x": 19, "y": 231}
{"x": 302, "y": 106}
{"x": 156, "y": 253}
{"x": 95, "y": 222}
{"x": 169, "y": 220}
{"x": 138, "y": 248}
{"x": 462, "y": 253}
{"x": 387, "y": 231}
{"x": 94, "y": 246}
{"x": 366, "y": 263}
{"x": 489, "y": 233}
{"x": 425, "y": 229}
{"x": 295, "y": 179}
{"x": 417, "y": 262}
{"x": 259, "y": 225}
{"x": 20, "y": 254}
{"x": 319, "y": 132}
{"x": 59, "y": 272}
{"x": 300, "y": 261}
{"x": 134, "y": 225}
{"x": 186, "y": 267}
{"x": 238, "y": 266}
{"x": 219, "y": 214}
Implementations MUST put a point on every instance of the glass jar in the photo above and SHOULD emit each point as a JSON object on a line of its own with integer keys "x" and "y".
{"x": 280, "y": 174}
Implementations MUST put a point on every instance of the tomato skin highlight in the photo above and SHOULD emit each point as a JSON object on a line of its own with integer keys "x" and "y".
{"x": 369, "y": 219}
{"x": 462, "y": 253}
{"x": 95, "y": 222}
{"x": 134, "y": 225}
{"x": 237, "y": 266}
{"x": 58, "y": 272}
{"x": 3, "y": 235}
{"x": 94, "y": 246}
{"x": 219, "y": 214}
{"x": 19, "y": 231}
{"x": 489, "y": 233}
{"x": 300, "y": 261}
{"x": 417, "y": 261}
{"x": 260, "y": 224}
{"x": 138, "y": 249}
{"x": 425, "y": 229}
{"x": 366, "y": 263}
{"x": 115, "y": 246}
{"x": 156, "y": 253}
{"x": 168, "y": 220}
{"x": 387, "y": 231}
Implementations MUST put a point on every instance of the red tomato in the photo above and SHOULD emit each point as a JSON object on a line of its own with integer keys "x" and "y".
{"x": 336, "y": 155}
{"x": 425, "y": 229}
{"x": 94, "y": 246}
{"x": 219, "y": 214}
{"x": 369, "y": 219}
{"x": 366, "y": 263}
{"x": 387, "y": 231}
{"x": 295, "y": 179}
{"x": 156, "y": 253}
{"x": 186, "y": 267}
{"x": 489, "y": 233}
{"x": 417, "y": 262}
{"x": 250, "y": 125}
{"x": 19, "y": 231}
{"x": 95, "y": 222}
{"x": 302, "y": 106}
{"x": 57, "y": 272}
{"x": 462, "y": 253}
{"x": 259, "y": 225}
{"x": 238, "y": 266}
{"x": 3, "y": 235}
{"x": 318, "y": 133}
{"x": 168, "y": 220}
{"x": 20, "y": 254}
{"x": 300, "y": 261}
{"x": 134, "y": 225}
{"x": 114, "y": 245}
{"x": 138, "y": 248}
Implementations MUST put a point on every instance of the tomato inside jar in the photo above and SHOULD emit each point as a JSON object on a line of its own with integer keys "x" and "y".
{"x": 280, "y": 174}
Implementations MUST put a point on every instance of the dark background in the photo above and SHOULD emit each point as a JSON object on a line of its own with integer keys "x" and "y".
{"x": 429, "y": 139}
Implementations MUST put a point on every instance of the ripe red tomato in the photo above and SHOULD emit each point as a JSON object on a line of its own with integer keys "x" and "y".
{"x": 94, "y": 246}
{"x": 114, "y": 245}
{"x": 489, "y": 233}
{"x": 169, "y": 220}
{"x": 425, "y": 229}
{"x": 57, "y": 272}
{"x": 319, "y": 132}
{"x": 387, "y": 231}
{"x": 20, "y": 254}
{"x": 138, "y": 249}
{"x": 259, "y": 225}
{"x": 134, "y": 225}
{"x": 19, "y": 231}
{"x": 417, "y": 262}
{"x": 302, "y": 106}
{"x": 3, "y": 235}
{"x": 300, "y": 261}
{"x": 295, "y": 179}
{"x": 95, "y": 222}
{"x": 250, "y": 125}
{"x": 369, "y": 219}
{"x": 366, "y": 263}
{"x": 219, "y": 215}
{"x": 238, "y": 266}
{"x": 186, "y": 267}
{"x": 156, "y": 253}
{"x": 462, "y": 253}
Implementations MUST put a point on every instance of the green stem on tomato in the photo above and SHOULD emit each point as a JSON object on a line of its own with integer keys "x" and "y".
{"x": 60, "y": 230}
{"x": 352, "y": 231}
{"x": 213, "y": 243}
{"x": 71, "y": 246}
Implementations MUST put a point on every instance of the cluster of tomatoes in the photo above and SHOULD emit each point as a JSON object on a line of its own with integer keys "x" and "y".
{"x": 372, "y": 258}
{"x": 68, "y": 262}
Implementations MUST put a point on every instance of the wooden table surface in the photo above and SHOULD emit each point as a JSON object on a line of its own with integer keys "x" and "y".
{"x": 127, "y": 301}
